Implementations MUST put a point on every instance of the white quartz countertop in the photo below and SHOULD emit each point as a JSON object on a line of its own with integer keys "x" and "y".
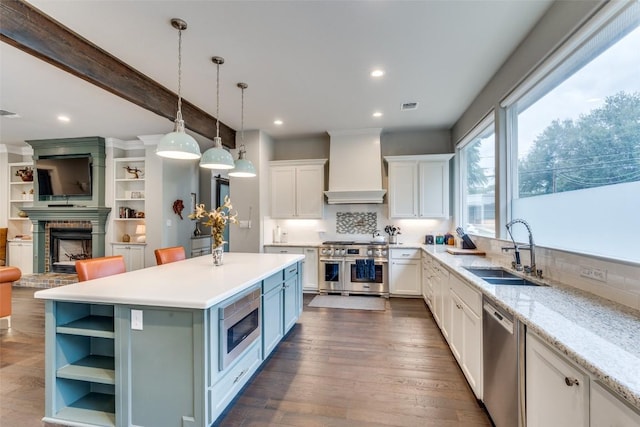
{"x": 192, "y": 283}
{"x": 601, "y": 336}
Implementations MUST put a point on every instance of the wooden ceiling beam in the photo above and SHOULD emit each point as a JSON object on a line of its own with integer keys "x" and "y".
{"x": 30, "y": 30}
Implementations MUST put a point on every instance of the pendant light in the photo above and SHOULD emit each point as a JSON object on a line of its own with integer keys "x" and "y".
{"x": 244, "y": 168}
{"x": 178, "y": 144}
{"x": 217, "y": 157}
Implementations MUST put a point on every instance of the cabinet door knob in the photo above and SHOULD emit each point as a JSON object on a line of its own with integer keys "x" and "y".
{"x": 571, "y": 381}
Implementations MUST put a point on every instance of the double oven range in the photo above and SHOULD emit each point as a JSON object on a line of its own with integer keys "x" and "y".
{"x": 350, "y": 267}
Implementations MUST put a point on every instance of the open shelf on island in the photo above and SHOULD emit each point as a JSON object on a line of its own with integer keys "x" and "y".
{"x": 93, "y": 368}
{"x": 91, "y": 326}
{"x": 93, "y": 408}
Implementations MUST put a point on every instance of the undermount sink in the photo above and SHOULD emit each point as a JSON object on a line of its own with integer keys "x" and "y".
{"x": 490, "y": 272}
{"x": 500, "y": 276}
{"x": 513, "y": 281}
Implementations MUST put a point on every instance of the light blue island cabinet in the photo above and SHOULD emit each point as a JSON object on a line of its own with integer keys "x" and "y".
{"x": 170, "y": 345}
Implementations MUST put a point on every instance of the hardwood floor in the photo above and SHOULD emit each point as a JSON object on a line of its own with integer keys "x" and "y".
{"x": 22, "y": 362}
{"x": 360, "y": 368}
{"x": 336, "y": 368}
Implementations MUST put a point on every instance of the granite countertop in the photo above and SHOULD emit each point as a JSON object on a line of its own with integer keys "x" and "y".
{"x": 601, "y": 336}
{"x": 192, "y": 283}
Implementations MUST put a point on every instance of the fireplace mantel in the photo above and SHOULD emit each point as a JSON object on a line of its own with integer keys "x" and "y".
{"x": 41, "y": 215}
{"x": 58, "y": 213}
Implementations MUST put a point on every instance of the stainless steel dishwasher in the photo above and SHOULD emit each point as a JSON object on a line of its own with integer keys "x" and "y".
{"x": 503, "y": 356}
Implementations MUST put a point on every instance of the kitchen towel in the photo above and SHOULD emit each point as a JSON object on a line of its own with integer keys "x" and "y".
{"x": 365, "y": 269}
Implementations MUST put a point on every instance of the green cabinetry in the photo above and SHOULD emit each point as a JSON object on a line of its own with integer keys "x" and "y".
{"x": 135, "y": 365}
{"x": 80, "y": 363}
{"x": 281, "y": 305}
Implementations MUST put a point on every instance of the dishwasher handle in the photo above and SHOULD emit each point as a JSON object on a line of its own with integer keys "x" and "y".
{"x": 499, "y": 317}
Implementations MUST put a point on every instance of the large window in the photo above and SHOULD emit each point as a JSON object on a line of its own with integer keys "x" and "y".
{"x": 477, "y": 171}
{"x": 576, "y": 146}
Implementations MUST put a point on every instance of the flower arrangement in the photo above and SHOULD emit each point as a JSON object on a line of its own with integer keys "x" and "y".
{"x": 217, "y": 219}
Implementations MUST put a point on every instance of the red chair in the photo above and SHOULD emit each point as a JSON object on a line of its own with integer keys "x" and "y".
{"x": 167, "y": 255}
{"x": 95, "y": 268}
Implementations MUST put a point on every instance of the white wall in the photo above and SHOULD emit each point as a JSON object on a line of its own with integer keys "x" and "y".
{"x": 245, "y": 195}
{"x": 560, "y": 21}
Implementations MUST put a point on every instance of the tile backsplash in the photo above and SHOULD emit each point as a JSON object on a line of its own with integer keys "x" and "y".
{"x": 356, "y": 222}
{"x": 619, "y": 281}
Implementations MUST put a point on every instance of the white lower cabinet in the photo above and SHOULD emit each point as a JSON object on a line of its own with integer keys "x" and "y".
{"x": 557, "y": 391}
{"x": 441, "y": 298}
{"x": 133, "y": 255}
{"x": 21, "y": 256}
{"x": 310, "y": 270}
{"x": 309, "y": 264}
{"x": 465, "y": 335}
{"x": 607, "y": 410}
{"x": 405, "y": 272}
{"x": 427, "y": 282}
{"x": 561, "y": 394}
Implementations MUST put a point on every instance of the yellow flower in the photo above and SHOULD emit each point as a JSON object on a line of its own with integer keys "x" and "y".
{"x": 216, "y": 219}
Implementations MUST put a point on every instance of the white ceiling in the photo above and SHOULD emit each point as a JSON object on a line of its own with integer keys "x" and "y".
{"x": 306, "y": 62}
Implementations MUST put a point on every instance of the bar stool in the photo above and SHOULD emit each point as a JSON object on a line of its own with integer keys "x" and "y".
{"x": 95, "y": 268}
{"x": 167, "y": 255}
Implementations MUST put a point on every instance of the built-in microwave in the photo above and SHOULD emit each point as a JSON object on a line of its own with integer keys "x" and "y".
{"x": 239, "y": 326}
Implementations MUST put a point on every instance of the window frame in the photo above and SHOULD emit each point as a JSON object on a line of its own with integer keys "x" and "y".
{"x": 488, "y": 121}
{"x": 552, "y": 72}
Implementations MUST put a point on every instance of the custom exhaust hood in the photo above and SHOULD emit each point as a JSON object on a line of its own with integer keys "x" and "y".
{"x": 355, "y": 167}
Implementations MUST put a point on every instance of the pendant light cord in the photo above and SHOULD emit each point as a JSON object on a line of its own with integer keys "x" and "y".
{"x": 179, "y": 75}
{"x": 242, "y": 117}
{"x": 217, "y": 99}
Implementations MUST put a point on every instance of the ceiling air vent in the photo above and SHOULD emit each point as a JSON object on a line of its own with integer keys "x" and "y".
{"x": 8, "y": 114}
{"x": 409, "y": 106}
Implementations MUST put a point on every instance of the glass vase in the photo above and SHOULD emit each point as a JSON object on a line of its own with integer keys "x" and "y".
{"x": 217, "y": 252}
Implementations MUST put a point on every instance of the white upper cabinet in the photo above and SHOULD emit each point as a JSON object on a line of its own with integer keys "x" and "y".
{"x": 297, "y": 189}
{"x": 419, "y": 186}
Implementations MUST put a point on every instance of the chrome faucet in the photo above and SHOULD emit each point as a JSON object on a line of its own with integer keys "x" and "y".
{"x": 517, "y": 264}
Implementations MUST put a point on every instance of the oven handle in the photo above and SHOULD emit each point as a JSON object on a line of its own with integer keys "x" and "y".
{"x": 375, "y": 261}
{"x": 334, "y": 260}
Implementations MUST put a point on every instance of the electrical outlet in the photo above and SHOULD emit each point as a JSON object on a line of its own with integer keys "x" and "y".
{"x": 599, "y": 274}
{"x": 136, "y": 320}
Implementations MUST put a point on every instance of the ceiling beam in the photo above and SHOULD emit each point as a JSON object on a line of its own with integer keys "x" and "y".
{"x": 30, "y": 30}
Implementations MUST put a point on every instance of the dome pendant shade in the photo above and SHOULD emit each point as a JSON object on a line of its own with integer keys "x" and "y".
{"x": 217, "y": 157}
{"x": 244, "y": 168}
{"x": 178, "y": 145}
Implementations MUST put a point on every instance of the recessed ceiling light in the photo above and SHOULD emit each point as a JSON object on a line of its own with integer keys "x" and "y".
{"x": 64, "y": 119}
{"x": 377, "y": 114}
{"x": 278, "y": 122}
{"x": 377, "y": 73}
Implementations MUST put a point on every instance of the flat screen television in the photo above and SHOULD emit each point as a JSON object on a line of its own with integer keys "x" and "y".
{"x": 64, "y": 176}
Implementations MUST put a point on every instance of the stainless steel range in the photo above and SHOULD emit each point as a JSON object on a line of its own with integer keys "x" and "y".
{"x": 350, "y": 267}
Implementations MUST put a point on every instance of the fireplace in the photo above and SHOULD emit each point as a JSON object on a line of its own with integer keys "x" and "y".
{"x": 66, "y": 246}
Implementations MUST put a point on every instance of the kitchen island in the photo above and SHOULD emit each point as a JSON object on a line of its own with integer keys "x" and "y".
{"x": 152, "y": 347}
